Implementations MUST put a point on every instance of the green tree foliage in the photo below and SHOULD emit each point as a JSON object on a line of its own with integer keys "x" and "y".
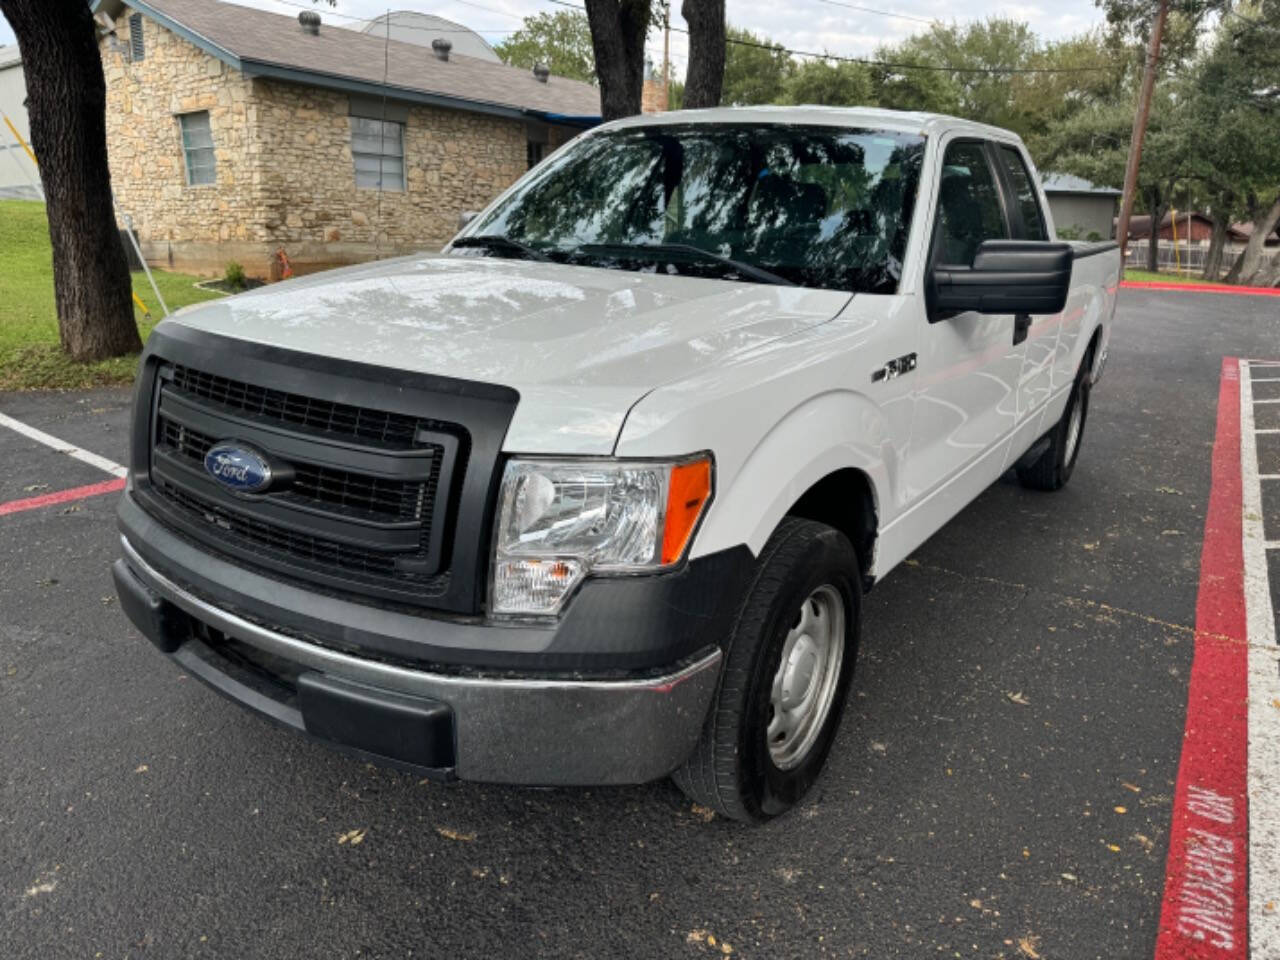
{"x": 1230, "y": 120}
{"x": 829, "y": 83}
{"x": 975, "y": 75}
{"x": 976, "y": 46}
{"x": 561, "y": 40}
{"x": 755, "y": 69}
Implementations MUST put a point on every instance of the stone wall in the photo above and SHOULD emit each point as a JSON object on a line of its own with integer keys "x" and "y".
{"x": 201, "y": 226}
{"x": 454, "y": 161}
{"x": 285, "y": 176}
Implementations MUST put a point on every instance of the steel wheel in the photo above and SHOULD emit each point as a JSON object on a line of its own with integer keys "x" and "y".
{"x": 808, "y": 674}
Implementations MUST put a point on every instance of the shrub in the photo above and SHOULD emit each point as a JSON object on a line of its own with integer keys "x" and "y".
{"x": 234, "y": 277}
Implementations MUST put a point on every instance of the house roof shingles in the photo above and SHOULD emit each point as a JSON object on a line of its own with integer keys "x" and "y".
{"x": 270, "y": 44}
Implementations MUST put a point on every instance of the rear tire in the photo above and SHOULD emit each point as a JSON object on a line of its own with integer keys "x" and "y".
{"x": 772, "y": 722}
{"x": 1052, "y": 469}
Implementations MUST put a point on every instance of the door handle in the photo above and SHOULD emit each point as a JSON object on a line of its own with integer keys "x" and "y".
{"x": 1021, "y": 325}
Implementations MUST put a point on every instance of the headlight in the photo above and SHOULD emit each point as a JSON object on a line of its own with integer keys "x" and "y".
{"x": 559, "y": 520}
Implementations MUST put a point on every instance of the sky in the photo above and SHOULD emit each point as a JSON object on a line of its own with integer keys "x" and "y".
{"x": 831, "y": 26}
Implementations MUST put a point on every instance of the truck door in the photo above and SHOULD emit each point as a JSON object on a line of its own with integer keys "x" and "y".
{"x": 966, "y": 404}
{"x": 1035, "y": 384}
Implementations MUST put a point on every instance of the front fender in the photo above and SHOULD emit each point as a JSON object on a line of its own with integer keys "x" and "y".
{"x": 785, "y": 415}
{"x": 760, "y": 474}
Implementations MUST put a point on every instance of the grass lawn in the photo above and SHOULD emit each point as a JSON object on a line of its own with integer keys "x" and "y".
{"x": 30, "y": 357}
{"x": 1146, "y": 276}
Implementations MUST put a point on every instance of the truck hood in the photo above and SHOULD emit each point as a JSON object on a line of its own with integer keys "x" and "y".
{"x": 580, "y": 344}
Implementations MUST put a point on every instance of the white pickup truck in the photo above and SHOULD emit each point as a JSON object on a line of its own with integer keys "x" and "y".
{"x": 593, "y": 495}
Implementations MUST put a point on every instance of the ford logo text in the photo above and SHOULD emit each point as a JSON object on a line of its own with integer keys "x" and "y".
{"x": 238, "y": 468}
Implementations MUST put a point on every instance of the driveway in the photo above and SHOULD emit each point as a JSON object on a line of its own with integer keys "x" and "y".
{"x": 1002, "y": 785}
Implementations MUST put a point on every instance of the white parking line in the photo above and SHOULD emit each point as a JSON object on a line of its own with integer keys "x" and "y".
{"x": 84, "y": 456}
{"x": 1264, "y": 696}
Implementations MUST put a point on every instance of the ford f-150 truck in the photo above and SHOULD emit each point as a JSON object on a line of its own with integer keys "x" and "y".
{"x": 592, "y": 496}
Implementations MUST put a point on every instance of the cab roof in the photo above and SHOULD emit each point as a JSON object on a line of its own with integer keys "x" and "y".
{"x": 904, "y": 121}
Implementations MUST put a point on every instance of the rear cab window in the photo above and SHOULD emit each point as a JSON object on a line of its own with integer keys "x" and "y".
{"x": 1026, "y": 204}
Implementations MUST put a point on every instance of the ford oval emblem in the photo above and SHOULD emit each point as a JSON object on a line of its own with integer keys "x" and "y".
{"x": 238, "y": 468}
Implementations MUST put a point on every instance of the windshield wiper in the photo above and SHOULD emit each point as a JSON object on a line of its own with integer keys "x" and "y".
{"x": 685, "y": 250}
{"x": 495, "y": 241}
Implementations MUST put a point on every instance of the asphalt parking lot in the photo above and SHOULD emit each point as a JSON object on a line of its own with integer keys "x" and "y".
{"x": 1001, "y": 787}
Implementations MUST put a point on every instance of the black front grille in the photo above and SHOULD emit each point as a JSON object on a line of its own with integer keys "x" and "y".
{"x": 348, "y": 492}
{"x": 362, "y": 496}
{"x": 379, "y": 426}
{"x": 239, "y": 534}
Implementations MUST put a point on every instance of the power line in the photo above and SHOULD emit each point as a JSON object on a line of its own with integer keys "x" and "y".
{"x": 879, "y": 13}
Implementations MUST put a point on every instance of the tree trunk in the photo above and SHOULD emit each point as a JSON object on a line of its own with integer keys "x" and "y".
{"x": 618, "y": 30}
{"x": 705, "y": 75}
{"x": 1158, "y": 210}
{"x": 1213, "y": 259}
{"x": 66, "y": 104}
{"x": 1250, "y": 259}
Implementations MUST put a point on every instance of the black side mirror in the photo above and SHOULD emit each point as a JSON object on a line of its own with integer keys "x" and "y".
{"x": 1007, "y": 276}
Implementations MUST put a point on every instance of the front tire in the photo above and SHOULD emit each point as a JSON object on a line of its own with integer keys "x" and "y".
{"x": 1052, "y": 469}
{"x": 787, "y": 668}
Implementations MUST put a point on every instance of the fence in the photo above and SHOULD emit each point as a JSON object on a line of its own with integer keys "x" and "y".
{"x": 1189, "y": 258}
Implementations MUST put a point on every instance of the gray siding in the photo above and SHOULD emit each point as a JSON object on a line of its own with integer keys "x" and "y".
{"x": 1087, "y": 212}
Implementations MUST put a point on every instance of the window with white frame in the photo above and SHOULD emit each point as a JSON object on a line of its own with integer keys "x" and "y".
{"x": 197, "y": 148}
{"x": 377, "y": 150}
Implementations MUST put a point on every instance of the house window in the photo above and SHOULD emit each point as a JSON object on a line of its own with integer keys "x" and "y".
{"x": 197, "y": 148}
{"x": 136, "y": 50}
{"x": 377, "y": 149}
{"x": 534, "y": 152}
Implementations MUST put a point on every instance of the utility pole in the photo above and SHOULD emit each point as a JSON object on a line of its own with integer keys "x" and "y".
{"x": 666, "y": 56}
{"x": 1140, "y": 132}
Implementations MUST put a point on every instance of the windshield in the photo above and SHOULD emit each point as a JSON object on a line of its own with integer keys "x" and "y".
{"x": 816, "y": 206}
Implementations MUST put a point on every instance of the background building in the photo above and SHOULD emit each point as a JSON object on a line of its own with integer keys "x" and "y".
{"x": 233, "y": 133}
{"x": 1079, "y": 207}
{"x": 18, "y": 175}
{"x": 409, "y": 26}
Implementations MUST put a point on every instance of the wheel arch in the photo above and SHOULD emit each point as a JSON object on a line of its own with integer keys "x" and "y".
{"x": 1092, "y": 354}
{"x": 846, "y": 500}
{"x": 832, "y": 459}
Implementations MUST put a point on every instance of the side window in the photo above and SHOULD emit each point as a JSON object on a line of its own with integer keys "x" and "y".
{"x": 197, "y": 148}
{"x": 136, "y": 48}
{"x": 969, "y": 208}
{"x": 377, "y": 151}
{"x": 1024, "y": 193}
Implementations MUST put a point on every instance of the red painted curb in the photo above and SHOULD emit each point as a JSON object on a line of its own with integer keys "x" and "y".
{"x": 1205, "y": 910}
{"x": 62, "y": 496}
{"x": 1202, "y": 288}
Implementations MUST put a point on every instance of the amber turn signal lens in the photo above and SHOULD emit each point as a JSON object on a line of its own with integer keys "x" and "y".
{"x": 687, "y": 494}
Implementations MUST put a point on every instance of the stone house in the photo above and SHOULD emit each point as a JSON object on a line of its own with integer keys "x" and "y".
{"x": 234, "y": 133}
